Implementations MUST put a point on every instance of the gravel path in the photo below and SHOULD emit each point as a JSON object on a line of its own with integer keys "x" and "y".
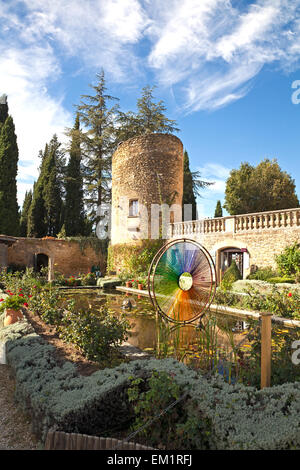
{"x": 15, "y": 430}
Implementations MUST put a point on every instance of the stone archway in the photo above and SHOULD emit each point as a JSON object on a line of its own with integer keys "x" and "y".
{"x": 44, "y": 260}
{"x": 41, "y": 261}
{"x": 231, "y": 247}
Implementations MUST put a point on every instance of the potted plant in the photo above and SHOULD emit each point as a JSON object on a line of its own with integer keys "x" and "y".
{"x": 140, "y": 285}
{"x": 129, "y": 283}
{"x": 12, "y": 306}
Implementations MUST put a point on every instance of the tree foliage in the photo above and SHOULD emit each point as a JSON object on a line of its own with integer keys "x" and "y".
{"x": 192, "y": 185}
{"x": 262, "y": 188}
{"x": 45, "y": 213}
{"x": 218, "y": 210}
{"x": 24, "y": 214}
{"x": 9, "y": 155}
{"x": 98, "y": 143}
{"x": 74, "y": 215}
{"x": 149, "y": 118}
{"x": 188, "y": 187}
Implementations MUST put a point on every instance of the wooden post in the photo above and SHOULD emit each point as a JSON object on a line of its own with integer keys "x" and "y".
{"x": 266, "y": 345}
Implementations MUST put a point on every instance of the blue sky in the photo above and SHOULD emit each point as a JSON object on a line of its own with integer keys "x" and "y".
{"x": 224, "y": 69}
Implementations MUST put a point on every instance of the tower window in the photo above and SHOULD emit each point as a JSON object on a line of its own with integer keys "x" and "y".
{"x": 133, "y": 208}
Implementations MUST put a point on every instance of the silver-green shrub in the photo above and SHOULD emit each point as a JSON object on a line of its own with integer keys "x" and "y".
{"x": 235, "y": 416}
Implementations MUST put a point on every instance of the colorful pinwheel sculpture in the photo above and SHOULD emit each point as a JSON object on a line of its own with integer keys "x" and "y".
{"x": 182, "y": 281}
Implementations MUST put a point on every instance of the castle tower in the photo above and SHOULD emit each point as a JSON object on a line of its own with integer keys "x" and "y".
{"x": 146, "y": 170}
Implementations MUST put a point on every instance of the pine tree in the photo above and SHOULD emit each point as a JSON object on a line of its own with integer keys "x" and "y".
{"x": 9, "y": 155}
{"x": 218, "y": 210}
{"x": 24, "y": 214}
{"x": 74, "y": 216}
{"x": 98, "y": 144}
{"x": 149, "y": 118}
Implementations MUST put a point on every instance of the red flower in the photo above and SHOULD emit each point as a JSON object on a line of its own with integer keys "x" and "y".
{"x": 21, "y": 295}
{"x": 1, "y": 300}
{"x": 25, "y": 304}
{"x": 30, "y": 296}
{"x": 34, "y": 287}
{"x": 11, "y": 293}
{"x": 20, "y": 289}
{"x": 290, "y": 294}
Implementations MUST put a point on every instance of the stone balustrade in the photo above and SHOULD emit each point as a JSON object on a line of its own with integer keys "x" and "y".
{"x": 238, "y": 223}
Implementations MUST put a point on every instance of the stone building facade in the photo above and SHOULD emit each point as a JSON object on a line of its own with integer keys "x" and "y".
{"x": 146, "y": 172}
{"x": 253, "y": 240}
{"x": 66, "y": 257}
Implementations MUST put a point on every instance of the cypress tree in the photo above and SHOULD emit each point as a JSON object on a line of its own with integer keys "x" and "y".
{"x": 188, "y": 191}
{"x": 192, "y": 185}
{"x": 218, "y": 210}
{"x": 9, "y": 155}
{"x": 36, "y": 226}
{"x": 3, "y": 109}
{"x": 24, "y": 214}
{"x": 74, "y": 217}
{"x": 45, "y": 214}
{"x": 52, "y": 195}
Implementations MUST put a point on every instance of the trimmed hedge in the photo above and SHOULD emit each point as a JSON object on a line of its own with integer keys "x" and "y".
{"x": 235, "y": 417}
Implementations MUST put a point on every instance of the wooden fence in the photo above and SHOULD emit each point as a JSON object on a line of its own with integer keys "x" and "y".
{"x": 58, "y": 440}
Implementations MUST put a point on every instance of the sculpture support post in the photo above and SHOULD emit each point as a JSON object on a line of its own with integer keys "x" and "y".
{"x": 266, "y": 350}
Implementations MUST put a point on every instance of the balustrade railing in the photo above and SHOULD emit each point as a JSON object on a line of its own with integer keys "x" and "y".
{"x": 238, "y": 223}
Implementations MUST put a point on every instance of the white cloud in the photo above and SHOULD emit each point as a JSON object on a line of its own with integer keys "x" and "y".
{"x": 100, "y": 33}
{"x": 209, "y": 51}
{"x": 215, "y": 47}
{"x": 214, "y": 170}
{"x": 24, "y": 75}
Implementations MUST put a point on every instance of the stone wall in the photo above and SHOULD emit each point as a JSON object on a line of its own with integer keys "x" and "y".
{"x": 66, "y": 256}
{"x": 262, "y": 235}
{"x": 148, "y": 168}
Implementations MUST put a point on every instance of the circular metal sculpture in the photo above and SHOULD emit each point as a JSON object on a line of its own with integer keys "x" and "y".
{"x": 182, "y": 281}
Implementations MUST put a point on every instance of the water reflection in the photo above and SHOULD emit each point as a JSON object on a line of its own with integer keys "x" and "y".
{"x": 215, "y": 335}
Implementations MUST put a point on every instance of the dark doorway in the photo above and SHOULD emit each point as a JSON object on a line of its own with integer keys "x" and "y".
{"x": 41, "y": 261}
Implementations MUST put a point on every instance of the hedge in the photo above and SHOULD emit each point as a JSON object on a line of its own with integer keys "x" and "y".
{"x": 56, "y": 397}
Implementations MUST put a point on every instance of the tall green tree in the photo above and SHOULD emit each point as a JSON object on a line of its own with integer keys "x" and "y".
{"x": 36, "y": 225}
{"x": 52, "y": 192}
{"x": 150, "y": 117}
{"x": 98, "y": 143}
{"x": 218, "y": 210}
{"x": 188, "y": 187}
{"x": 265, "y": 187}
{"x": 45, "y": 213}
{"x": 3, "y": 109}
{"x": 74, "y": 215}
{"x": 192, "y": 186}
{"x": 24, "y": 214}
{"x": 9, "y": 156}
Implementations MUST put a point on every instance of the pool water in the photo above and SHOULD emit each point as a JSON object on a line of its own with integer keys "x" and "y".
{"x": 150, "y": 333}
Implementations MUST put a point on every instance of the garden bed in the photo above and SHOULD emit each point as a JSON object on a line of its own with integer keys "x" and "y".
{"x": 219, "y": 415}
{"x": 63, "y": 351}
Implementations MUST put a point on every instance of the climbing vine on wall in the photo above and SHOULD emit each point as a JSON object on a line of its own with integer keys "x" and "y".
{"x": 124, "y": 257}
{"x": 98, "y": 245}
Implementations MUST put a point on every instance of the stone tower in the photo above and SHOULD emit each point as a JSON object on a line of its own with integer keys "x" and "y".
{"x": 146, "y": 170}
